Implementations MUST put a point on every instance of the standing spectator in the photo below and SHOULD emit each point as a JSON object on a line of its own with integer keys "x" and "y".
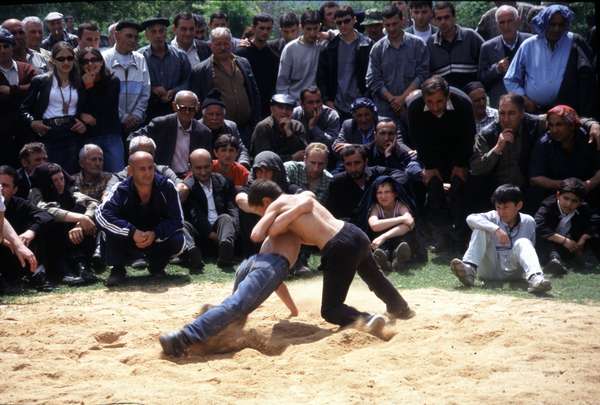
{"x": 130, "y": 67}
{"x": 142, "y": 215}
{"x": 264, "y": 62}
{"x": 201, "y": 27}
{"x": 69, "y": 24}
{"x": 343, "y": 64}
{"x": 184, "y": 27}
{"x": 220, "y": 20}
{"x": 327, "y": 12}
{"x": 483, "y": 114}
{"x": 497, "y": 53}
{"x": 101, "y": 89}
{"x": 232, "y": 75}
{"x": 422, "y": 14}
{"x": 321, "y": 123}
{"x": 289, "y": 26}
{"x": 20, "y": 51}
{"x": 169, "y": 68}
{"x": 53, "y": 108}
{"x": 57, "y": 33}
{"x": 554, "y": 66}
{"x": 34, "y": 33}
{"x": 398, "y": 64}
{"x": 454, "y": 50}
{"x": 279, "y": 132}
{"x": 300, "y": 58}
{"x": 15, "y": 79}
{"x": 88, "y": 35}
{"x": 487, "y": 26}
{"x": 373, "y": 24}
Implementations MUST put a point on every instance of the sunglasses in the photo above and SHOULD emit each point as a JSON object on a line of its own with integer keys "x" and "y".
{"x": 344, "y": 21}
{"x": 185, "y": 108}
{"x": 90, "y": 60}
{"x": 65, "y": 59}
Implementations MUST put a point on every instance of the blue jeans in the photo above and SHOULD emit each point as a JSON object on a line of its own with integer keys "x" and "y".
{"x": 114, "y": 151}
{"x": 256, "y": 278}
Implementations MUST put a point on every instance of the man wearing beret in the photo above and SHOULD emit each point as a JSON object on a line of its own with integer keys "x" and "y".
{"x": 56, "y": 27}
{"x": 169, "y": 67}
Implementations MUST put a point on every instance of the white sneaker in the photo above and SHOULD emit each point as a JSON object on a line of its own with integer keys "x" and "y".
{"x": 538, "y": 284}
{"x": 464, "y": 272}
{"x": 375, "y": 324}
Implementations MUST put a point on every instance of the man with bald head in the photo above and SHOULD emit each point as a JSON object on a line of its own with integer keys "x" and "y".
{"x": 21, "y": 52}
{"x": 178, "y": 134}
{"x": 142, "y": 214}
{"x": 211, "y": 214}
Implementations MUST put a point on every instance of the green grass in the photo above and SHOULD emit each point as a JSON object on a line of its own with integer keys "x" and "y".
{"x": 579, "y": 287}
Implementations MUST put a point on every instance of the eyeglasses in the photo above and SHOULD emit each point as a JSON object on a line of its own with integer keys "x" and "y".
{"x": 90, "y": 60}
{"x": 65, "y": 59}
{"x": 344, "y": 21}
{"x": 185, "y": 108}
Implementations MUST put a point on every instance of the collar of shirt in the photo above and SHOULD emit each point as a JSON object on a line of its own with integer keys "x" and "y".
{"x": 176, "y": 45}
{"x": 185, "y": 130}
{"x": 449, "y": 106}
{"x": 562, "y": 213}
{"x": 559, "y": 44}
{"x": 514, "y": 44}
{"x": 116, "y": 61}
{"x": 437, "y": 37}
{"x": 151, "y": 52}
{"x": 12, "y": 67}
{"x": 207, "y": 187}
{"x": 388, "y": 44}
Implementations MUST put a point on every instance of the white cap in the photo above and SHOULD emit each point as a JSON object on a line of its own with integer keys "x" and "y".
{"x": 54, "y": 16}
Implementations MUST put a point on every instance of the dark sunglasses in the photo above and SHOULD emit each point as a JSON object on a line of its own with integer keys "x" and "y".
{"x": 344, "y": 21}
{"x": 90, "y": 60}
{"x": 65, "y": 58}
{"x": 185, "y": 108}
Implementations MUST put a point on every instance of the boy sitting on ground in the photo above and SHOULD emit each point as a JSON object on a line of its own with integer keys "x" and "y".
{"x": 563, "y": 225}
{"x": 502, "y": 244}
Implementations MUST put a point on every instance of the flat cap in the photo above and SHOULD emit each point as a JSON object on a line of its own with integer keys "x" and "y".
{"x": 53, "y": 16}
{"x": 153, "y": 21}
{"x": 213, "y": 98}
{"x": 128, "y": 24}
{"x": 372, "y": 16}
{"x": 284, "y": 99}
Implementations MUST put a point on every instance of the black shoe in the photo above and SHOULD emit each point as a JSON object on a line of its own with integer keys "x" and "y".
{"x": 139, "y": 264}
{"x": 116, "y": 277}
{"x": 555, "y": 266}
{"x": 195, "y": 262}
{"x": 173, "y": 343}
{"x": 85, "y": 273}
{"x": 39, "y": 282}
{"x": 157, "y": 274}
{"x": 97, "y": 263}
{"x": 225, "y": 254}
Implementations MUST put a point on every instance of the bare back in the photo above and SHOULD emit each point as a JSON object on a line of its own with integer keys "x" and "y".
{"x": 315, "y": 228}
{"x": 287, "y": 245}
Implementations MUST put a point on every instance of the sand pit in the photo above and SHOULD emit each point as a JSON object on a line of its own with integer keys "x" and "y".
{"x": 101, "y": 347}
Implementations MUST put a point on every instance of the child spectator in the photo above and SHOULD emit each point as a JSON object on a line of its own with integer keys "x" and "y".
{"x": 226, "y": 150}
{"x": 502, "y": 244}
{"x": 563, "y": 225}
{"x": 390, "y": 221}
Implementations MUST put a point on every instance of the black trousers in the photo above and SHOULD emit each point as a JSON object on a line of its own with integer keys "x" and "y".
{"x": 226, "y": 230}
{"x": 347, "y": 253}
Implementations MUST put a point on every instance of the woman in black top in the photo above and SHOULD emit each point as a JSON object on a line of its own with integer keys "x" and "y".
{"x": 102, "y": 104}
{"x": 53, "y": 107}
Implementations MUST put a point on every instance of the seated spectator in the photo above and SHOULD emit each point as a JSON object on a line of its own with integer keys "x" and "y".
{"x": 29, "y": 223}
{"x": 211, "y": 214}
{"x": 142, "y": 215}
{"x": 390, "y": 221}
{"x": 311, "y": 174}
{"x": 502, "y": 245}
{"x": 348, "y": 188}
{"x": 483, "y": 114}
{"x": 177, "y": 134}
{"x": 498, "y": 51}
{"x": 554, "y": 66}
{"x": 91, "y": 180}
{"x": 31, "y": 156}
{"x": 321, "y": 123}
{"x": 564, "y": 152}
{"x": 564, "y": 226}
{"x": 360, "y": 129}
{"x": 279, "y": 133}
{"x": 213, "y": 116}
{"x": 226, "y": 149}
{"x": 73, "y": 232}
{"x": 101, "y": 89}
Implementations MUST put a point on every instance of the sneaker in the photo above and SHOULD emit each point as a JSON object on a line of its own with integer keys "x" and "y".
{"x": 405, "y": 314}
{"x": 116, "y": 277}
{"x": 554, "y": 266}
{"x": 375, "y": 324}
{"x": 195, "y": 262}
{"x": 382, "y": 261}
{"x": 401, "y": 254}
{"x": 464, "y": 272}
{"x": 139, "y": 264}
{"x": 538, "y": 284}
{"x": 71, "y": 279}
{"x": 85, "y": 273}
{"x": 300, "y": 270}
{"x": 173, "y": 343}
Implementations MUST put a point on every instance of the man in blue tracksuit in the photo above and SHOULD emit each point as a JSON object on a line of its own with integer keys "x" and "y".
{"x": 143, "y": 213}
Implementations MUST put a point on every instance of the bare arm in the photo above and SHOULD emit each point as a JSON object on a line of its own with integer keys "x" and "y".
{"x": 379, "y": 225}
{"x": 19, "y": 249}
{"x": 545, "y": 182}
{"x": 261, "y": 229}
{"x": 284, "y": 295}
{"x": 283, "y": 221}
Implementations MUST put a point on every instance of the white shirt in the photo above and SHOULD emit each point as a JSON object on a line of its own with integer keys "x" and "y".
{"x": 11, "y": 74}
{"x": 212, "y": 209}
{"x": 55, "y": 102}
{"x": 192, "y": 52}
{"x": 179, "y": 164}
{"x": 424, "y": 35}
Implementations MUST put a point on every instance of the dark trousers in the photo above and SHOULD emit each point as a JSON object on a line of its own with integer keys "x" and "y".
{"x": 62, "y": 147}
{"x": 225, "y": 228}
{"x": 61, "y": 253}
{"x": 347, "y": 253}
{"x": 441, "y": 208}
{"x": 247, "y": 222}
{"x": 120, "y": 252}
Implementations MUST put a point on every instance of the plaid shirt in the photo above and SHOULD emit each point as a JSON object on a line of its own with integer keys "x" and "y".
{"x": 94, "y": 189}
{"x": 296, "y": 174}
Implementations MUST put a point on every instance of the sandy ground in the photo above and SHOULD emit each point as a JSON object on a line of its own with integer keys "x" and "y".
{"x": 102, "y": 347}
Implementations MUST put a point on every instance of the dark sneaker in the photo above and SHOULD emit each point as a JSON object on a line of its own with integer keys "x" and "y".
{"x": 173, "y": 343}
{"x": 117, "y": 276}
{"x": 538, "y": 284}
{"x": 226, "y": 251}
{"x": 464, "y": 272}
{"x": 139, "y": 264}
{"x": 302, "y": 272}
{"x": 554, "y": 266}
{"x": 382, "y": 261}
{"x": 402, "y": 254}
{"x": 85, "y": 273}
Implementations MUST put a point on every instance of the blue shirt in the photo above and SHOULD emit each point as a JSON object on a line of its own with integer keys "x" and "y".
{"x": 171, "y": 72}
{"x": 536, "y": 70}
